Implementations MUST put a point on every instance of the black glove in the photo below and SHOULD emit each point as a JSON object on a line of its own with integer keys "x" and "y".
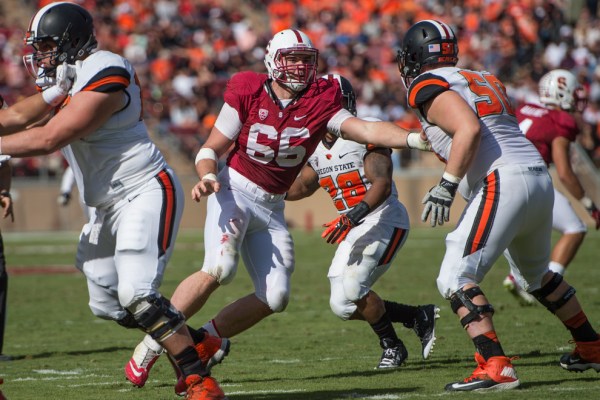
{"x": 63, "y": 199}
{"x": 338, "y": 229}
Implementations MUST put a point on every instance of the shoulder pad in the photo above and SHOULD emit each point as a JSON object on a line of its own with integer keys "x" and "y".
{"x": 102, "y": 70}
{"x": 325, "y": 90}
{"x": 246, "y": 83}
{"x": 425, "y": 87}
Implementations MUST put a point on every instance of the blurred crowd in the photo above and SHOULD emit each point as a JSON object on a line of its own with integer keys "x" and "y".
{"x": 184, "y": 52}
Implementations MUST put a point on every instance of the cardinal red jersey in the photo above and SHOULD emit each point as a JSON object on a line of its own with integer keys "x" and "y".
{"x": 542, "y": 125}
{"x": 275, "y": 142}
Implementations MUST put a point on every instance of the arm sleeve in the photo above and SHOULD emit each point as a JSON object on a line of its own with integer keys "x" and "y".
{"x": 335, "y": 123}
{"x": 228, "y": 122}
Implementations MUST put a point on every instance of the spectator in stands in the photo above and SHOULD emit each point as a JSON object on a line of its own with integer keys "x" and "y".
{"x": 358, "y": 40}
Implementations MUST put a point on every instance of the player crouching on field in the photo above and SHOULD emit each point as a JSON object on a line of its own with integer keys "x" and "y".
{"x": 372, "y": 227}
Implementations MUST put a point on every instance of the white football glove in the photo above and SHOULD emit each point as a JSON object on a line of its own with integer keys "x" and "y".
{"x": 414, "y": 141}
{"x": 438, "y": 201}
{"x": 54, "y": 95}
{"x": 44, "y": 81}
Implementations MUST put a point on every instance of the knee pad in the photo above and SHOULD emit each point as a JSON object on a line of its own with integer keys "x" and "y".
{"x": 224, "y": 271}
{"x": 463, "y": 298}
{"x": 341, "y": 306}
{"x": 128, "y": 321}
{"x": 352, "y": 289}
{"x": 157, "y": 317}
{"x": 549, "y": 288}
{"x": 277, "y": 299}
{"x": 100, "y": 313}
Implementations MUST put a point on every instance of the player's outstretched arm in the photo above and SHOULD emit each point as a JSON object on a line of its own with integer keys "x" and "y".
{"x": 33, "y": 108}
{"x": 382, "y": 134}
{"x": 86, "y": 112}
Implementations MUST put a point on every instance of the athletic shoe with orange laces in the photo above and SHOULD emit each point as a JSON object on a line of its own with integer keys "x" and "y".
{"x": 212, "y": 350}
{"x": 497, "y": 373}
{"x": 199, "y": 388}
{"x": 144, "y": 357}
{"x": 586, "y": 355}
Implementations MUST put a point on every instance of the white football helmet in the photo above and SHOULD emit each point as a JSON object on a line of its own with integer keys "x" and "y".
{"x": 560, "y": 88}
{"x": 295, "y": 75}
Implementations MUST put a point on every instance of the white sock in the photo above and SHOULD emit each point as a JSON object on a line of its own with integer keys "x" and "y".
{"x": 556, "y": 267}
{"x": 211, "y": 328}
{"x": 152, "y": 344}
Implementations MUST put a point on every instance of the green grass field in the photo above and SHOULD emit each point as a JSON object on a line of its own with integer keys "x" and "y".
{"x": 63, "y": 352}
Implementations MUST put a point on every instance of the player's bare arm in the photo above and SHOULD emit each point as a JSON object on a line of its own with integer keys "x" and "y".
{"x": 378, "y": 170}
{"x": 31, "y": 109}
{"x": 306, "y": 183}
{"x": 85, "y": 113}
{"x": 5, "y": 198}
{"x": 23, "y": 113}
{"x": 381, "y": 134}
{"x": 454, "y": 116}
{"x": 560, "y": 157}
{"x": 215, "y": 146}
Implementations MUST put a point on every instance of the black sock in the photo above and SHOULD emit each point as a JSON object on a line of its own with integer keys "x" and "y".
{"x": 580, "y": 328}
{"x": 189, "y": 363}
{"x": 401, "y": 313}
{"x": 584, "y": 333}
{"x": 385, "y": 330}
{"x": 488, "y": 345}
{"x": 197, "y": 335}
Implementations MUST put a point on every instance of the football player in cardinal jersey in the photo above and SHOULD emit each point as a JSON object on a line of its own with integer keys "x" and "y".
{"x": 124, "y": 249}
{"x": 274, "y": 122}
{"x": 552, "y": 127}
{"x": 469, "y": 121}
{"x": 12, "y": 119}
{"x": 373, "y": 225}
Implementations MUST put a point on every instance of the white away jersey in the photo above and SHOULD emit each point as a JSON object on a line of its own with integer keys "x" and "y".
{"x": 341, "y": 173}
{"x": 502, "y": 142}
{"x": 119, "y": 157}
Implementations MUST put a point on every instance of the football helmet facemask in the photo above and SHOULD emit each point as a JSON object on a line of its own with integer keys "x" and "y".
{"x": 426, "y": 42}
{"x": 560, "y": 88}
{"x": 348, "y": 95}
{"x": 291, "y": 59}
{"x": 59, "y": 32}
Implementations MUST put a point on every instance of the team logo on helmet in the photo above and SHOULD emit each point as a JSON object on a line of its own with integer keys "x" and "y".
{"x": 560, "y": 88}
